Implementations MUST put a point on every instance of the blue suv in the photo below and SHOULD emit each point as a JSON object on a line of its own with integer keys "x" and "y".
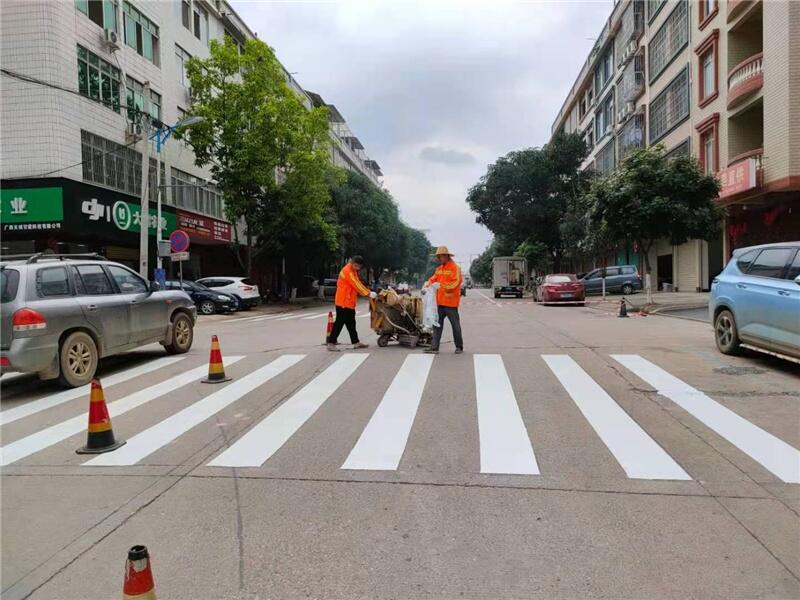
{"x": 755, "y": 301}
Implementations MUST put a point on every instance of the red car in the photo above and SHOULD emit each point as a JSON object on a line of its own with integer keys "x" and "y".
{"x": 561, "y": 288}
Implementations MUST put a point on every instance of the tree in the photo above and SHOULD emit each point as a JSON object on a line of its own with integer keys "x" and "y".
{"x": 481, "y": 268}
{"x": 524, "y": 194}
{"x": 267, "y": 151}
{"x": 651, "y": 197}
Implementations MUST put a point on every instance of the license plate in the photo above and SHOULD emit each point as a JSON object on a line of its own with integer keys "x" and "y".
{"x": 566, "y": 295}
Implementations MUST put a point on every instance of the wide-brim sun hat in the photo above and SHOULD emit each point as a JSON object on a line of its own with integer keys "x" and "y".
{"x": 442, "y": 250}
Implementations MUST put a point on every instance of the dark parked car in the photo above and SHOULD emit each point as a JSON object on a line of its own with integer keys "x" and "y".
{"x": 624, "y": 279}
{"x": 207, "y": 300}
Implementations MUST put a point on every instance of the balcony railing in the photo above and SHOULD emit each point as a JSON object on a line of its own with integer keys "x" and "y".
{"x": 745, "y": 78}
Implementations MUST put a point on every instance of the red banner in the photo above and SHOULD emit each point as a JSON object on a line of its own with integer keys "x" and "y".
{"x": 739, "y": 177}
{"x": 202, "y": 228}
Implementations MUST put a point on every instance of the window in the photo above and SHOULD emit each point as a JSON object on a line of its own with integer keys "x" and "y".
{"x": 707, "y": 61}
{"x": 9, "y": 283}
{"x": 141, "y": 33}
{"x": 135, "y": 101}
{"x": 770, "y": 262}
{"x": 794, "y": 268}
{"x": 707, "y": 11}
{"x": 127, "y": 281}
{"x": 743, "y": 262}
{"x": 195, "y": 194}
{"x": 708, "y": 129}
{"x": 100, "y": 12}
{"x": 604, "y": 70}
{"x": 631, "y": 136}
{"x": 97, "y": 79}
{"x": 709, "y": 156}
{"x": 116, "y": 166}
{"x": 670, "y": 107}
{"x": 52, "y": 281}
{"x": 653, "y": 8}
{"x": 200, "y": 24}
{"x": 604, "y": 118}
{"x": 588, "y": 137}
{"x": 606, "y": 159}
{"x": 181, "y": 58}
{"x": 669, "y": 40}
{"x": 628, "y": 270}
{"x": 186, "y": 15}
{"x": 94, "y": 280}
{"x": 681, "y": 150}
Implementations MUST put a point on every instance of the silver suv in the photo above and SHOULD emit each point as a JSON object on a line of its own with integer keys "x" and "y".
{"x": 61, "y": 313}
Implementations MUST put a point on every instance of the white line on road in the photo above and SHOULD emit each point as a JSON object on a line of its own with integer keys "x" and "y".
{"x": 504, "y": 443}
{"x": 262, "y": 441}
{"x": 480, "y": 293}
{"x": 52, "y": 435}
{"x": 362, "y": 314}
{"x": 148, "y": 441}
{"x": 636, "y": 452}
{"x": 31, "y": 408}
{"x": 317, "y": 316}
{"x": 384, "y": 439}
{"x": 774, "y": 454}
{"x": 295, "y": 316}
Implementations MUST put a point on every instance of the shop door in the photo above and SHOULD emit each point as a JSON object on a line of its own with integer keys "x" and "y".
{"x": 664, "y": 270}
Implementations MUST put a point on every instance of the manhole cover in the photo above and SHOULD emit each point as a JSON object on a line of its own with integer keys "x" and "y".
{"x": 739, "y": 370}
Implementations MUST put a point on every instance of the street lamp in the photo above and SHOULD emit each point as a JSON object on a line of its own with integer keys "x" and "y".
{"x": 160, "y": 136}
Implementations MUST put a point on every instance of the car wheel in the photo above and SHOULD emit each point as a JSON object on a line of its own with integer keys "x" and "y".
{"x": 182, "y": 334}
{"x": 627, "y": 289}
{"x": 77, "y": 360}
{"x": 207, "y": 307}
{"x": 725, "y": 333}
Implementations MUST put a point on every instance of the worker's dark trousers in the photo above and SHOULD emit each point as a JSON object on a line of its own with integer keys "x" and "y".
{"x": 455, "y": 322}
{"x": 344, "y": 317}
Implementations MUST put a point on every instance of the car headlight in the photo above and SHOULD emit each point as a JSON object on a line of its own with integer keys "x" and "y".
{"x": 222, "y": 298}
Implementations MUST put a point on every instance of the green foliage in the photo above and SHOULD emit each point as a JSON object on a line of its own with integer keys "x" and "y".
{"x": 535, "y": 253}
{"x": 650, "y": 197}
{"x": 268, "y": 152}
{"x": 481, "y": 268}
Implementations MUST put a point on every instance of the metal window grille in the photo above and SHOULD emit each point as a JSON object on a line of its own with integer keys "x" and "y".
{"x": 671, "y": 37}
{"x": 670, "y": 107}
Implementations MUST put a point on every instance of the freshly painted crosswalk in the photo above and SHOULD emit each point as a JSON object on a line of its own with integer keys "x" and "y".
{"x": 503, "y": 417}
{"x": 774, "y": 454}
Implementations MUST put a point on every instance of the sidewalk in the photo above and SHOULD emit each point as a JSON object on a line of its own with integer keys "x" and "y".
{"x": 663, "y": 302}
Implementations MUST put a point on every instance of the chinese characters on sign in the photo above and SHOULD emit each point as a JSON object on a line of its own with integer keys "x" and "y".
{"x": 127, "y": 217}
{"x": 205, "y": 228}
{"x": 31, "y": 209}
{"x": 739, "y": 177}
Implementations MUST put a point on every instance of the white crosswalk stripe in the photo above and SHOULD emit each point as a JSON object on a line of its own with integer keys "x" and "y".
{"x": 504, "y": 443}
{"x": 383, "y": 440}
{"x": 636, "y": 452}
{"x": 31, "y": 408}
{"x": 261, "y": 442}
{"x": 317, "y": 316}
{"x": 362, "y": 314}
{"x": 774, "y": 454}
{"x": 45, "y": 438}
{"x": 150, "y": 440}
{"x": 294, "y": 316}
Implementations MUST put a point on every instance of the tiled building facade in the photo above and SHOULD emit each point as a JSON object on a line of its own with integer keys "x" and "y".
{"x": 718, "y": 79}
{"x": 71, "y": 160}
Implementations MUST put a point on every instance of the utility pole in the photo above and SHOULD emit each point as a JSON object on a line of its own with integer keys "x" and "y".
{"x": 144, "y": 210}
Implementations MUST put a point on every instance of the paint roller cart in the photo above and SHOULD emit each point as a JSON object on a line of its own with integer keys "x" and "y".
{"x": 398, "y": 318}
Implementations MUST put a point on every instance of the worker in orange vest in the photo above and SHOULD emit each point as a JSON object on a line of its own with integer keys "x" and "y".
{"x": 348, "y": 288}
{"x": 448, "y": 296}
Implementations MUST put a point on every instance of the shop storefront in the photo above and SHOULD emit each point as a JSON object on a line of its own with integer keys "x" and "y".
{"x": 69, "y": 217}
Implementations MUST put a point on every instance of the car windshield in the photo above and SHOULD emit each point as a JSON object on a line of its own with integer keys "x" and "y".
{"x": 248, "y": 281}
{"x": 9, "y": 281}
{"x": 560, "y": 278}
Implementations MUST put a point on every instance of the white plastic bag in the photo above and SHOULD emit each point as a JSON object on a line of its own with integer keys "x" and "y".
{"x": 430, "y": 310}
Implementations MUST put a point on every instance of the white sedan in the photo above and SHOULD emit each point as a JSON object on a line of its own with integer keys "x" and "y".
{"x": 241, "y": 288}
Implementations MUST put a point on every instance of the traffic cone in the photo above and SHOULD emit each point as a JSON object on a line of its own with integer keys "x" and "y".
{"x": 216, "y": 370}
{"x": 623, "y": 309}
{"x": 138, "y": 576}
{"x": 100, "y": 436}
{"x": 329, "y": 327}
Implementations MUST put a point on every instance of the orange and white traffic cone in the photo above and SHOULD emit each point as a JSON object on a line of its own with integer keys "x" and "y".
{"x": 138, "y": 583}
{"x": 216, "y": 370}
{"x": 100, "y": 436}
{"x": 329, "y": 327}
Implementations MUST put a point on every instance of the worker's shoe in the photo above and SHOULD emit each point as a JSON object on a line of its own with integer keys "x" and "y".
{"x": 332, "y": 347}
{"x": 431, "y": 351}
{"x": 360, "y": 345}
{"x": 459, "y": 351}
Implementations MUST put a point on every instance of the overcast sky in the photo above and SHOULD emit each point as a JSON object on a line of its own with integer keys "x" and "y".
{"x": 435, "y": 90}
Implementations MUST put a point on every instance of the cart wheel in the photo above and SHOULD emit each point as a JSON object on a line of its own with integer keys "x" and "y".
{"x": 383, "y": 340}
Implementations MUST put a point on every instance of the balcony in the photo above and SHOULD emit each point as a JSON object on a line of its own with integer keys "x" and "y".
{"x": 737, "y": 7}
{"x": 745, "y": 79}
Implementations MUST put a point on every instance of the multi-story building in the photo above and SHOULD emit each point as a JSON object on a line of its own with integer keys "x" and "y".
{"x": 75, "y": 73}
{"x": 708, "y": 77}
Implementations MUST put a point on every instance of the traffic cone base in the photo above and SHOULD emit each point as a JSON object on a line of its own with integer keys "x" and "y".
{"x": 216, "y": 369}
{"x": 100, "y": 435}
{"x": 623, "y": 309}
{"x": 329, "y": 327}
{"x": 138, "y": 583}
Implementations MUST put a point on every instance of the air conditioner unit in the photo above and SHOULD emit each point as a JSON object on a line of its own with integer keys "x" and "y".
{"x": 112, "y": 39}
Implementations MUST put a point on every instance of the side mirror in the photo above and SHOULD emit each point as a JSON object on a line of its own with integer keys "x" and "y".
{"x": 153, "y": 287}
{"x": 797, "y": 280}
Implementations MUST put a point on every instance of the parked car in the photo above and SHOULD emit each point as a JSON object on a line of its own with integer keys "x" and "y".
{"x": 560, "y": 288}
{"x": 755, "y": 301}
{"x": 624, "y": 279}
{"x": 61, "y": 313}
{"x": 208, "y": 301}
{"x": 243, "y": 289}
{"x": 328, "y": 287}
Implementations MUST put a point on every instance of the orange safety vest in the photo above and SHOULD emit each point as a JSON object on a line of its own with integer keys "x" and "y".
{"x": 449, "y": 277}
{"x": 348, "y": 286}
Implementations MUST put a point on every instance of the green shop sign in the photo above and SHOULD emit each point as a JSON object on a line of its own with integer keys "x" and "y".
{"x": 31, "y": 209}
{"x": 126, "y": 216}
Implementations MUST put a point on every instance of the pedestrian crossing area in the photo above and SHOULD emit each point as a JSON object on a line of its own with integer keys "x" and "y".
{"x": 505, "y": 419}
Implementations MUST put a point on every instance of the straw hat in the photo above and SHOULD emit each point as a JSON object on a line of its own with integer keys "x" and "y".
{"x": 443, "y": 250}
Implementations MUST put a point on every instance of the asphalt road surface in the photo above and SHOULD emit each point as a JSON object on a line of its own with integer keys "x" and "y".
{"x": 566, "y": 454}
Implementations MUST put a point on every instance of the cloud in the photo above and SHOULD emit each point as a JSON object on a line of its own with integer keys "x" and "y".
{"x": 446, "y": 156}
{"x": 427, "y": 85}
